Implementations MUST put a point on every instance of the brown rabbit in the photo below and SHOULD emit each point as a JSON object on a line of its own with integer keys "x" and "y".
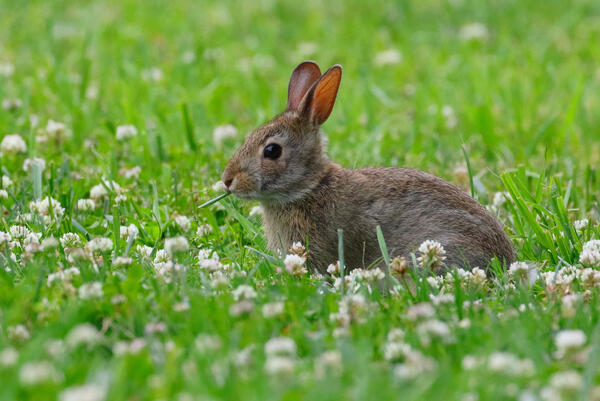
{"x": 305, "y": 195}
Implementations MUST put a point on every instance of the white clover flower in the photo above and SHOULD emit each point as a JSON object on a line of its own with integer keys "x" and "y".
{"x": 589, "y": 277}
{"x": 435, "y": 281}
{"x": 47, "y": 208}
{"x": 120, "y": 198}
{"x": 57, "y": 130}
{"x": 18, "y": 333}
{"x": 128, "y": 231}
{"x": 241, "y": 308}
{"x": 477, "y": 277}
{"x": 590, "y": 254}
{"x": 280, "y": 346}
{"x": 442, "y": 299}
{"x": 581, "y": 225}
{"x": 13, "y": 144}
{"x": 433, "y": 255}
{"x": 395, "y": 335}
{"x": 474, "y": 31}
{"x": 334, "y": 269}
{"x": 3, "y": 194}
{"x": 91, "y": 92}
{"x": 500, "y": 199}
{"x": 204, "y": 230}
{"x": 86, "y": 392}
{"x": 218, "y": 280}
{"x": 181, "y": 306}
{"x": 306, "y": 49}
{"x": 6, "y": 69}
{"x": 86, "y": 205}
{"x": 328, "y": 362}
{"x": 91, "y": 290}
{"x": 415, "y": 365}
{"x": 85, "y": 334}
{"x": 244, "y": 292}
{"x": 449, "y": 116}
{"x": 161, "y": 256}
{"x": 49, "y": 243}
{"x": 219, "y": 186}
{"x": 212, "y": 264}
{"x": 32, "y": 239}
{"x": 152, "y": 74}
{"x": 33, "y": 373}
{"x": 125, "y": 132}
{"x": 63, "y": 275}
{"x": 134, "y": 347}
{"x": 70, "y": 240}
{"x": 122, "y": 261}
{"x": 128, "y": 173}
{"x": 207, "y": 342}
{"x": 8, "y": 357}
{"x": 27, "y": 163}
{"x": 6, "y": 181}
{"x": 422, "y": 310}
{"x": 183, "y": 222}
{"x": 223, "y": 132}
{"x": 100, "y": 244}
{"x": 145, "y": 251}
{"x": 518, "y": 269}
{"x": 430, "y": 329}
{"x": 204, "y": 254}
{"x": 176, "y": 244}
{"x": 569, "y": 340}
{"x": 395, "y": 350}
{"x": 294, "y": 264}
{"x": 568, "y": 380}
{"x": 272, "y": 309}
{"x": 387, "y": 57}
{"x": 19, "y": 233}
{"x": 373, "y": 275}
{"x": 11, "y": 104}
{"x": 118, "y": 299}
{"x": 100, "y": 191}
{"x": 165, "y": 270}
{"x": 278, "y": 365}
{"x": 155, "y": 327}
{"x": 5, "y": 238}
{"x": 510, "y": 365}
{"x": 256, "y": 211}
{"x": 188, "y": 57}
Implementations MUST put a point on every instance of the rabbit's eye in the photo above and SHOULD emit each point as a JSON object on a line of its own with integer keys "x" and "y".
{"x": 272, "y": 151}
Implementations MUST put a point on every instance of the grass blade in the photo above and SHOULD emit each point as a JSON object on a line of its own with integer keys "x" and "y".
{"x": 189, "y": 127}
{"x": 213, "y": 200}
{"x": 341, "y": 258}
{"x": 469, "y": 171}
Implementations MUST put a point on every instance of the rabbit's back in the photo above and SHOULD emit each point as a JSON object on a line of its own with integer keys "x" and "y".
{"x": 410, "y": 206}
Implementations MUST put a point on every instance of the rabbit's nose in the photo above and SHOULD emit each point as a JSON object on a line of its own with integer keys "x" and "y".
{"x": 228, "y": 182}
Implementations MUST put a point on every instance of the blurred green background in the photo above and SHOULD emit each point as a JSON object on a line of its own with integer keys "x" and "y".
{"x": 523, "y": 91}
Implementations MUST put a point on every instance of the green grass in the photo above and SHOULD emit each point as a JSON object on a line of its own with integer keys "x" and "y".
{"x": 515, "y": 112}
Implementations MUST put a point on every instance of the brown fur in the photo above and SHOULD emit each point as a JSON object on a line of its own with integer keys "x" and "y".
{"x": 305, "y": 195}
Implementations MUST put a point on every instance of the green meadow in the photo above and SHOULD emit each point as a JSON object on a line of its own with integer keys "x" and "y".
{"x": 117, "y": 119}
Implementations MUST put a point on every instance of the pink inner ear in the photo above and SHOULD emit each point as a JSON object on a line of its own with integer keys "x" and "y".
{"x": 325, "y": 94}
{"x": 303, "y": 77}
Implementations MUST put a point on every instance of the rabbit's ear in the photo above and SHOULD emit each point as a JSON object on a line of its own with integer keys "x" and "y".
{"x": 303, "y": 77}
{"x": 319, "y": 100}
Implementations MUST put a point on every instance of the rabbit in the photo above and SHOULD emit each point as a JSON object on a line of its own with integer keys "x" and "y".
{"x": 307, "y": 197}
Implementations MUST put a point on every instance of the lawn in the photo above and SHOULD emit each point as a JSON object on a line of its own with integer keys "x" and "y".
{"x": 118, "y": 118}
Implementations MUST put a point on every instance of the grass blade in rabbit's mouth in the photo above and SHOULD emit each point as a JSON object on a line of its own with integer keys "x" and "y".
{"x": 214, "y": 200}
